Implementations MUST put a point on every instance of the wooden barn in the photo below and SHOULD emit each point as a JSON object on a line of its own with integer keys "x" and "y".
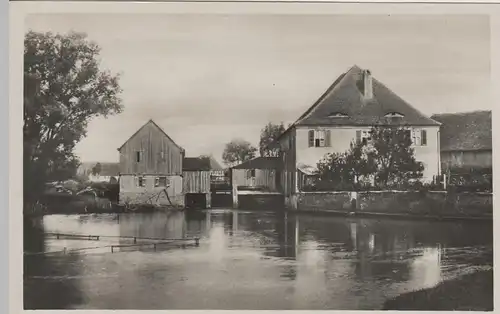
{"x": 151, "y": 168}
{"x": 202, "y": 176}
{"x": 196, "y": 187}
{"x": 256, "y": 181}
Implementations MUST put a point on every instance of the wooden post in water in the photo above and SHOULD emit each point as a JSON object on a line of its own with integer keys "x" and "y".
{"x": 208, "y": 197}
{"x": 234, "y": 187}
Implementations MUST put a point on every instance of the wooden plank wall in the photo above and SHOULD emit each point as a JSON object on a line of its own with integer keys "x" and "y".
{"x": 196, "y": 182}
{"x": 263, "y": 178}
{"x": 151, "y": 142}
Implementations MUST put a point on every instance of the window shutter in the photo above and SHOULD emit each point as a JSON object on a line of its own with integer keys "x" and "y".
{"x": 328, "y": 138}
{"x": 358, "y": 136}
{"x": 408, "y": 134}
{"x": 311, "y": 138}
{"x": 424, "y": 137}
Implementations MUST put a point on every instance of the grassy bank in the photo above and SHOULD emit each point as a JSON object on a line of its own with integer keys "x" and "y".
{"x": 469, "y": 292}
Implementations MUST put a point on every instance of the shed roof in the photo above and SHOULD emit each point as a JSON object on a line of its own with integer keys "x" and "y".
{"x": 466, "y": 131}
{"x": 201, "y": 163}
{"x": 260, "y": 163}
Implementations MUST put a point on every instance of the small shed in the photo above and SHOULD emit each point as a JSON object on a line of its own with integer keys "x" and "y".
{"x": 261, "y": 173}
{"x": 196, "y": 173}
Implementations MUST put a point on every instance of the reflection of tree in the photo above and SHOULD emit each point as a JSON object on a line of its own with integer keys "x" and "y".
{"x": 41, "y": 289}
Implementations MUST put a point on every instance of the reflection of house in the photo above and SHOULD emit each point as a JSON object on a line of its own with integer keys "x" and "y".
{"x": 466, "y": 139}
{"x": 151, "y": 168}
{"x": 344, "y": 114}
{"x": 261, "y": 173}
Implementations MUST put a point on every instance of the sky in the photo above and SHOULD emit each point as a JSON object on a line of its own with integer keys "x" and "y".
{"x": 207, "y": 79}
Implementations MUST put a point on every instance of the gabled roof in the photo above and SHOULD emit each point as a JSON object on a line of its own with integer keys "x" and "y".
{"x": 260, "y": 163}
{"x": 466, "y": 131}
{"x": 343, "y": 104}
{"x": 150, "y": 121}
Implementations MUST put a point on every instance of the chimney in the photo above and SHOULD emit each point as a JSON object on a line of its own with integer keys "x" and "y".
{"x": 367, "y": 84}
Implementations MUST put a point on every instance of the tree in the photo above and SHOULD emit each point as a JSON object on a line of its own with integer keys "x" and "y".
{"x": 394, "y": 156}
{"x": 96, "y": 170}
{"x": 268, "y": 135}
{"x": 346, "y": 170}
{"x": 63, "y": 90}
{"x": 238, "y": 151}
{"x": 387, "y": 157}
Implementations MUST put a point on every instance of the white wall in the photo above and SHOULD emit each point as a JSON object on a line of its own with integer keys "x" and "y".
{"x": 99, "y": 178}
{"x": 342, "y": 137}
{"x": 131, "y": 193}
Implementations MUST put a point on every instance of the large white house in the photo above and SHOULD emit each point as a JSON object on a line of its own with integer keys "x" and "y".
{"x": 345, "y": 113}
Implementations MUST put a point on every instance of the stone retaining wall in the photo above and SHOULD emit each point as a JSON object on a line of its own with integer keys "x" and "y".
{"x": 400, "y": 202}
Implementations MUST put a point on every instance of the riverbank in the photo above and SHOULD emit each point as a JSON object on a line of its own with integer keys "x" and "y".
{"x": 472, "y": 292}
{"x": 401, "y": 216}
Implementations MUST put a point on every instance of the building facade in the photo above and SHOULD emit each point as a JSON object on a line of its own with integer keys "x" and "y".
{"x": 345, "y": 114}
{"x": 466, "y": 140}
{"x": 151, "y": 168}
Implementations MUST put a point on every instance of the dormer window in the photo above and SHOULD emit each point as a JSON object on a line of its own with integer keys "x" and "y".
{"x": 338, "y": 115}
{"x": 394, "y": 115}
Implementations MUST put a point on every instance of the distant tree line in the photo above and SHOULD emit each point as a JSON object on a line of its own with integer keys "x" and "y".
{"x": 239, "y": 150}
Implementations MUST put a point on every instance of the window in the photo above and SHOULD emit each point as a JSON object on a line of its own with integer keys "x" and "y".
{"x": 138, "y": 156}
{"x": 394, "y": 115}
{"x": 338, "y": 115}
{"x": 319, "y": 138}
{"x": 161, "y": 181}
{"x": 363, "y": 136}
{"x": 250, "y": 174}
{"x": 140, "y": 181}
{"x": 419, "y": 137}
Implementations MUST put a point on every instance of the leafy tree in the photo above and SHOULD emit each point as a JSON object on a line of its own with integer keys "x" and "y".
{"x": 96, "y": 170}
{"x": 269, "y": 134}
{"x": 63, "y": 90}
{"x": 394, "y": 156}
{"x": 238, "y": 151}
{"x": 387, "y": 157}
{"x": 346, "y": 170}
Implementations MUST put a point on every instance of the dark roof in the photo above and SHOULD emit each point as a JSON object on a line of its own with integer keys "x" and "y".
{"x": 260, "y": 163}
{"x": 345, "y": 98}
{"x": 150, "y": 121}
{"x": 202, "y": 163}
{"x": 195, "y": 164}
{"x": 465, "y": 131}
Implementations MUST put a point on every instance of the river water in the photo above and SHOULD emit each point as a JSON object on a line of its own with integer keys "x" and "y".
{"x": 245, "y": 260}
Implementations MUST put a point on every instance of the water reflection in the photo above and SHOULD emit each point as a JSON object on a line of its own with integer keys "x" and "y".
{"x": 258, "y": 260}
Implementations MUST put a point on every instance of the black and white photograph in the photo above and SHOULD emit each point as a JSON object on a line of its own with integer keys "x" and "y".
{"x": 250, "y": 161}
